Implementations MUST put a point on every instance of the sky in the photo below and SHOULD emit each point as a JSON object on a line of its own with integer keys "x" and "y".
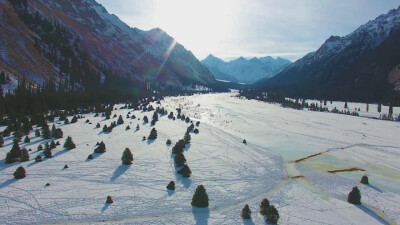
{"x": 229, "y": 29}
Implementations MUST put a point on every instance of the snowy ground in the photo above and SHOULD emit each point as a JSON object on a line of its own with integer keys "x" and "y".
{"x": 234, "y": 174}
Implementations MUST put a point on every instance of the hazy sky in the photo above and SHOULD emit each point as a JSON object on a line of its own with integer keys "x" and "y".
{"x": 250, "y": 28}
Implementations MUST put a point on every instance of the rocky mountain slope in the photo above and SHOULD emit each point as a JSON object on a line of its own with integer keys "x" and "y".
{"x": 355, "y": 67}
{"x": 243, "y": 70}
{"x": 146, "y": 56}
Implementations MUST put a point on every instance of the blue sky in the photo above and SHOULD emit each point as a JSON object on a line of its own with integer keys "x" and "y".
{"x": 232, "y": 28}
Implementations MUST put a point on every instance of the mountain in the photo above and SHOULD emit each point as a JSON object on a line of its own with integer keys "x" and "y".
{"x": 103, "y": 40}
{"x": 353, "y": 67}
{"x": 243, "y": 70}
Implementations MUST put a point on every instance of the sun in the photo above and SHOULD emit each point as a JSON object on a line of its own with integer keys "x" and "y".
{"x": 198, "y": 25}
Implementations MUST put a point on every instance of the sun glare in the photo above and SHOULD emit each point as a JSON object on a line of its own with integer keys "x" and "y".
{"x": 196, "y": 24}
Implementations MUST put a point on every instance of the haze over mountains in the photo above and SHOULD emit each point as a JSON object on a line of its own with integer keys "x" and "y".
{"x": 353, "y": 67}
{"x": 245, "y": 70}
{"x": 107, "y": 42}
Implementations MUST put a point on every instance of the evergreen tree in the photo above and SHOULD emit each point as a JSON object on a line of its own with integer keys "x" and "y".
{"x": 171, "y": 115}
{"x": 27, "y": 139}
{"x": 53, "y": 131}
{"x": 38, "y": 158}
{"x": 98, "y": 125}
{"x": 364, "y": 180}
{"x": 273, "y": 215}
{"x": 178, "y": 148}
{"x": 246, "y": 212}
{"x": 153, "y": 134}
{"x": 379, "y": 107}
{"x": 171, "y": 186}
{"x": 367, "y": 108}
{"x": 69, "y": 144}
{"x": 200, "y": 197}
{"x": 2, "y": 78}
{"x": 128, "y": 127}
{"x": 264, "y": 207}
{"x": 40, "y": 147}
{"x": 168, "y": 142}
{"x": 24, "y": 155}
{"x": 127, "y": 157}
{"x": 180, "y": 159}
{"x": 120, "y": 120}
{"x": 37, "y": 133}
{"x": 390, "y": 109}
{"x": 185, "y": 171}
{"x": 137, "y": 127}
{"x": 244, "y": 141}
{"x": 58, "y": 133}
{"x": 197, "y": 123}
{"x": 345, "y": 105}
{"x": 145, "y": 119}
{"x": 90, "y": 156}
{"x": 53, "y": 145}
{"x": 47, "y": 152}
{"x": 19, "y": 173}
{"x": 66, "y": 121}
{"x": 196, "y": 131}
{"x": 1, "y": 141}
{"x": 109, "y": 200}
{"x": 46, "y": 134}
{"x": 155, "y": 116}
{"x": 101, "y": 148}
{"x": 153, "y": 123}
{"x": 354, "y": 196}
{"x": 74, "y": 119}
{"x": 14, "y": 154}
{"x": 105, "y": 128}
{"x": 187, "y": 138}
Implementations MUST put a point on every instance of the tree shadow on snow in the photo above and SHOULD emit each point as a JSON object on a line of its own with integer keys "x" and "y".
{"x": 7, "y": 182}
{"x": 201, "y": 215}
{"x": 186, "y": 181}
{"x": 248, "y": 222}
{"x": 119, "y": 171}
{"x": 95, "y": 155}
{"x": 372, "y": 213}
{"x": 4, "y": 165}
{"x": 187, "y": 146}
{"x": 149, "y": 141}
{"x": 105, "y": 207}
{"x": 60, "y": 153}
{"x": 375, "y": 188}
{"x": 170, "y": 192}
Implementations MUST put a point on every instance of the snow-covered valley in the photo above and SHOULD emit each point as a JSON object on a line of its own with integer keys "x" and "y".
{"x": 269, "y": 166}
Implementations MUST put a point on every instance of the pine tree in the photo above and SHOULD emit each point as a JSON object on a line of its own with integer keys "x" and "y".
{"x": 53, "y": 131}
{"x": 367, "y": 108}
{"x": 127, "y": 157}
{"x": 354, "y": 196}
{"x": 246, "y": 212}
{"x": 109, "y": 200}
{"x": 171, "y": 186}
{"x": 98, "y": 125}
{"x": 101, "y": 148}
{"x": 197, "y": 123}
{"x": 74, "y": 119}
{"x": 1, "y": 141}
{"x": 137, "y": 127}
{"x": 40, "y": 147}
{"x": 345, "y": 105}
{"x": 69, "y": 144}
{"x": 390, "y": 109}
{"x": 153, "y": 134}
{"x": 200, "y": 197}
{"x": 46, "y": 132}
{"x": 180, "y": 159}
{"x": 145, "y": 119}
{"x": 379, "y": 107}
{"x": 2, "y": 77}
{"x": 187, "y": 138}
{"x": 58, "y": 133}
{"x": 168, "y": 142}
{"x": 19, "y": 173}
{"x": 364, "y": 180}
{"x": 47, "y": 152}
{"x": 264, "y": 207}
{"x": 273, "y": 215}
{"x": 37, "y": 133}
{"x": 14, "y": 154}
{"x": 24, "y": 155}
{"x": 178, "y": 148}
{"x": 53, "y": 145}
{"x": 185, "y": 171}
{"x": 105, "y": 128}
{"x": 155, "y": 116}
{"x": 27, "y": 139}
{"x": 38, "y": 158}
{"x": 120, "y": 120}
{"x": 244, "y": 141}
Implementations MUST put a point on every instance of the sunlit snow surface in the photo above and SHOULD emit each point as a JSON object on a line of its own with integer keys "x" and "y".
{"x": 233, "y": 173}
